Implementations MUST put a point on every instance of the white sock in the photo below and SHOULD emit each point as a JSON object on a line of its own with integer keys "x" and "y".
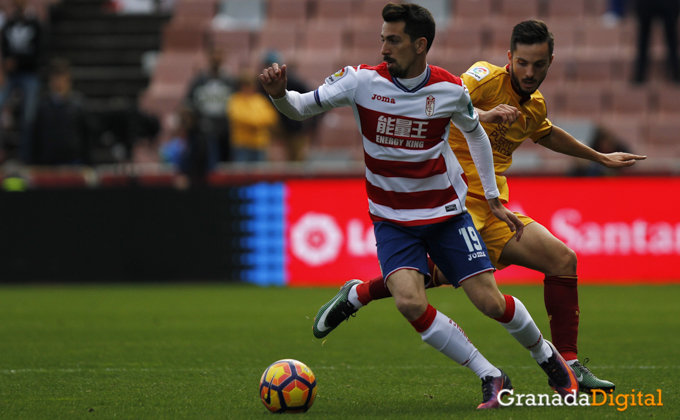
{"x": 353, "y": 297}
{"x": 448, "y": 338}
{"x": 482, "y": 367}
{"x": 571, "y": 362}
{"x": 523, "y": 328}
{"x": 543, "y": 354}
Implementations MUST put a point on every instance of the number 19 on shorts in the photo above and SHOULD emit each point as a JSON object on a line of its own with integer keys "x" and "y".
{"x": 469, "y": 234}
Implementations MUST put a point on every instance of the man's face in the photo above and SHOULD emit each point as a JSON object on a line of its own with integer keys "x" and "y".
{"x": 397, "y": 49}
{"x": 529, "y": 65}
{"x": 60, "y": 83}
{"x": 215, "y": 58}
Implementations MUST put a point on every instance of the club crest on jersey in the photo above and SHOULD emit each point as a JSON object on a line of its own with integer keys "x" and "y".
{"x": 478, "y": 72}
{"x": 336, "y": 76}
{"x": 429, "y": 106}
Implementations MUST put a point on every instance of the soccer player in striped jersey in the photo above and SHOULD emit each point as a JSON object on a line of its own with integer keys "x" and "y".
{"x": 512, "y": 110}
{"x": 416, "y": 192}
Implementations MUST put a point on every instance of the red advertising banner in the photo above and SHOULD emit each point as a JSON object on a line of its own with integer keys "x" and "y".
{"x": 329, "y": 234}
{"x": 624, "y": 230}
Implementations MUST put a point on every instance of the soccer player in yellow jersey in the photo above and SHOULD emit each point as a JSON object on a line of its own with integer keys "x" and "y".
{"x": 512, "y": 110}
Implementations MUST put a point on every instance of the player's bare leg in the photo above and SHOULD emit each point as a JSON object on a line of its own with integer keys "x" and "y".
{"x": 408, "y": 289}
{"x": 509, "y": 311}
{"x": 541, "y": 251}
{"x": 436, "y": 329}
{"x": 353, "y": 295}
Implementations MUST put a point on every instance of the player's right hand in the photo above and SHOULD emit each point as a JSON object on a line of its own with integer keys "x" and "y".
{"x": 502, "y": 213}
{"x": 274, "y": 80}
{"x": 501, "y": 114}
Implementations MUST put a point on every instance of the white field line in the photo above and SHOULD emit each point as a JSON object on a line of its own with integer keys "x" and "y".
{"x": 77, "y": 370}
{"x": 344, "y": 367}
{"x": 503, "y": 366}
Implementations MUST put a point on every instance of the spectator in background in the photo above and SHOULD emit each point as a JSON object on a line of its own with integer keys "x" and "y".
{"x": 667, "y": 11}
{"x": 21, "y": 39}
{"x": 295, "y": 134}
{"x": 192, "y": 151}
{"x": 62, "y": 128}
{"x": 605, "y": 142}
{"x": 123, "y": 128}
{"x": 251, "y": 118}
{"x": 209, "y": 93}
{"x": 616, "y": 10}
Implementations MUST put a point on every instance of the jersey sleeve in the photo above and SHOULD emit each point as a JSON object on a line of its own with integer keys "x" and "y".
{"x": 475, "y": 78}
{"x": 338, "y": 89}
{"x": 465, "y": 118}
{"x": 542, "y": 131}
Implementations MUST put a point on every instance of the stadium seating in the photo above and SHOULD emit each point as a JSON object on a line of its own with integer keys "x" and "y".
{"x": 186, "y": 34}
{"x": 278, "y": 36}
{"x": 589, "y": 78}
{"x": 472, "y": 9}
{"x": 333, "y": 10}
{"x": 667, "y": 103}
{"x": 574, "y": 9}
{"x": 518, "y": 10}
{"x": 290, "y": 12}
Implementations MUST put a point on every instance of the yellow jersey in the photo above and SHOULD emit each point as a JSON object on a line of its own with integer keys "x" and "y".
{"x": 490, "y": 86}
{"x": 251, "y": 119}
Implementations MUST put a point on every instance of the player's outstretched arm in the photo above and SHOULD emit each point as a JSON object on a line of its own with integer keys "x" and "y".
{"x": 619, "y": 159}
{"x": 502, "y": 213}
{"x": 274, "y": 80}
{"x": 294, "y": 105}
{"x": 500, "y": 114}
{"x": 562, "y": 142}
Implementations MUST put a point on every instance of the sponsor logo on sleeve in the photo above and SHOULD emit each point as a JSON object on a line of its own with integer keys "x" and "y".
{"x": 478, "y": 72}
{"x": 336, "y": 76}
{"x": 471, "y": 109}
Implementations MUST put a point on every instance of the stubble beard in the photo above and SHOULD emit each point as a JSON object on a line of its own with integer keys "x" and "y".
{"x": 397, "y": 71}
{"x": 518, "y": 86}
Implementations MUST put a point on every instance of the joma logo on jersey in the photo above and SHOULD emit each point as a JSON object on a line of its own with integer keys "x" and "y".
{"x": 383, "y": 99}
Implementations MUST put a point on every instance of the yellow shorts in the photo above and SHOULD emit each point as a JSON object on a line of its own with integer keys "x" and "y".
{"x": 495, "y": 233}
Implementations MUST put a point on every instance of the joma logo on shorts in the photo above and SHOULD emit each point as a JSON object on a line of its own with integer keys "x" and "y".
{"x": 476, "y": 255}
{"x": 383, "y": 99}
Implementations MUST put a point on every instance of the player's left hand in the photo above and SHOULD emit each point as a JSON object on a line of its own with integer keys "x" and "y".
{"x": 500, "y": 114}
{"x": 502, "y": 213}
{"x": 620, "y": 159}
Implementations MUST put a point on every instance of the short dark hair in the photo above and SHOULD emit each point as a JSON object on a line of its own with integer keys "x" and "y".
{"x": 419, "y": 22}
{"x": 531, "y": 32}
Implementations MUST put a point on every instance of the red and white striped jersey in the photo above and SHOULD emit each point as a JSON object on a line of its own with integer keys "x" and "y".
{"x": 412, "y": 176}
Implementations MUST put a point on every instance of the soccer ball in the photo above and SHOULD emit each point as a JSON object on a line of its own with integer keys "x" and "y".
{"x": 288, "y": 386}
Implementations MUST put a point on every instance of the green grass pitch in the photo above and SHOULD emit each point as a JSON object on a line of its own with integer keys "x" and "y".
{"x": 197, "y": 352}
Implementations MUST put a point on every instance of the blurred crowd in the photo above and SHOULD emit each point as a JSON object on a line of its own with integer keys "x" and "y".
{"x": 223, "y": 118}
{"x": 44, "y": 121}
{"x": 227, "y": 118}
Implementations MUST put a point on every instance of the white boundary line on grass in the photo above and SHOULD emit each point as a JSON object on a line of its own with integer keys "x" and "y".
{"x": 76, "y": 370}
{"x": 347, "y": 367}
{"x": 504, "y": 367}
